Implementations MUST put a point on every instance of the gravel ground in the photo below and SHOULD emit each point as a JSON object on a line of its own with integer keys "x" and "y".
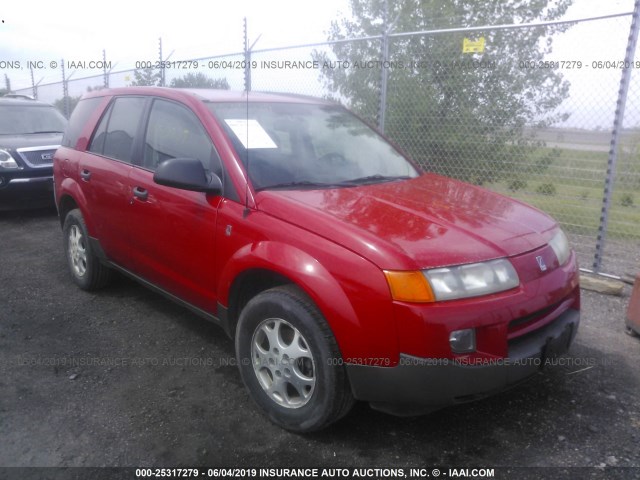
{"x": 124, "y": 377}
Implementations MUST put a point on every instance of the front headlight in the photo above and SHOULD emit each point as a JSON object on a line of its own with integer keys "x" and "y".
{"x": 560, "y": 246}
{"x": 451, "y": 283}
{"x": 472, "y": 280}
{"x": 7, "y": 161}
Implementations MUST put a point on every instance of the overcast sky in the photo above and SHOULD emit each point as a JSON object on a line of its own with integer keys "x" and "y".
{"x": 129, "y": 30}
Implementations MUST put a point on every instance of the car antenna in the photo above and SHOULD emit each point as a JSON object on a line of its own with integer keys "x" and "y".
{"x": 247, "y": 89}
{"x": 246, "y": 182}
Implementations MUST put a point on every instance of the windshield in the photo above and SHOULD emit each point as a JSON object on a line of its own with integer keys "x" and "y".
{"x": 27, "y": 119}
{"x": 308, "y": 146}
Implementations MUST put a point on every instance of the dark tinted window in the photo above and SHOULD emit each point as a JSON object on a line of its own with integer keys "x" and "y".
{"x": 175, "y": 132}
{"x": 116, "y": 132}
{"x": 97, "y": 143}
{"x": 78, "y": 120}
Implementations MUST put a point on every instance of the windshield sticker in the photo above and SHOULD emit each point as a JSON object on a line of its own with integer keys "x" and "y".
{"x": 250, "y": 133}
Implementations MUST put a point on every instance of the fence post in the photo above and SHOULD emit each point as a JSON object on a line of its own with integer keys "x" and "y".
{"x": 65, "y": 92}
{"x": 105, "y": 73}
{"x": 34, "y": 87}
{"x": 615, "y": 138}
{"x": 247, "y": 59}
{"x": 387, "y": 28}
{"x": 384, "y": 73}
{"x": 161, "y": 63}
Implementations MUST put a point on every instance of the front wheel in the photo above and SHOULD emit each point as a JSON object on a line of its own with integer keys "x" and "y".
{"x": 86, "y": 269}
{"x": 289, "y": 361}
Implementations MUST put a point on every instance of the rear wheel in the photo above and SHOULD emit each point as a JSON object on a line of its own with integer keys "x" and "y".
{"x": 290, "y": 362}
{"x": 86, "y": 269}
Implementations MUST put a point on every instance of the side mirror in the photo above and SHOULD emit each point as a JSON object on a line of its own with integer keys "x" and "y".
{"x": 187, "y": 174}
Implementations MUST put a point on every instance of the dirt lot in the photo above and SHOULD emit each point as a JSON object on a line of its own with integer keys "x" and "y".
{"x": 124, "y": 377}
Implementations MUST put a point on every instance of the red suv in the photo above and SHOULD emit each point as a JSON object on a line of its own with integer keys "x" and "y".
{"x": 341, "y": 269}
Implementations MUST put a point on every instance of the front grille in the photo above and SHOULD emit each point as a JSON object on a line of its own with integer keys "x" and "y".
{"x": 534, "y": 342}
{"x": 522, "y": 327}
{"x": 521, "y": 322}
{"x": 37, "y": 157}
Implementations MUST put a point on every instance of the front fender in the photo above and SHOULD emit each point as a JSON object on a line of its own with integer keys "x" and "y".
{"x": 351, "y": 293}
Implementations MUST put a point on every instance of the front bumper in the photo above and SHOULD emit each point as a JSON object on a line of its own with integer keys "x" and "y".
{"x": 419, "y": 385}
{"x": 26, "y": 192}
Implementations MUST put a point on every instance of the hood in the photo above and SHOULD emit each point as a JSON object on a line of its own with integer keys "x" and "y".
{"x": 426, "y": 222}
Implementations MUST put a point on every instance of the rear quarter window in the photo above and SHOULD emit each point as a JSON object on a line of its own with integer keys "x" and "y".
{"x": 78, "y": 120}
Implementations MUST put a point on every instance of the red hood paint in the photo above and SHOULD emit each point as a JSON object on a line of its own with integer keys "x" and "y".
{"x": 426, "y": 222}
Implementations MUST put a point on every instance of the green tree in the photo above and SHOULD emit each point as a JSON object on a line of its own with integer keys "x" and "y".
{"x": 457, "y": 113}
{"x": 199, "y": 80}
{"x": 146, "y": 77}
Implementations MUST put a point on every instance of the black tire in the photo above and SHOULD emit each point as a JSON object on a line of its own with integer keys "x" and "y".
{"x": 322, "y": 394}
{"x": 86, "y": 269}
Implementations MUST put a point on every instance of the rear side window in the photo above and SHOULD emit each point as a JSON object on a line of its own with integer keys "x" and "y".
{"x": 175, "y": 132}
{"x": 117, "y": 130}
{"x": 78, "y": 120}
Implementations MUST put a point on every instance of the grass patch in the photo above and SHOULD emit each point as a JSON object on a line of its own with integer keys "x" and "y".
{"x": 571, "y": 189}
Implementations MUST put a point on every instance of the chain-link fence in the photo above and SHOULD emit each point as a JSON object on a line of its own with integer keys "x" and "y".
{"x": 494, "y": 106}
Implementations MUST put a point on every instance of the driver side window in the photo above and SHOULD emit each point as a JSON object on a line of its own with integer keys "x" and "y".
{"x": 175, "y": 132}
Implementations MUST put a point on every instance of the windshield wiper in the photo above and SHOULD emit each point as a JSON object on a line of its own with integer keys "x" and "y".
{"x": 347, "y": 183}
{"x": 299, "y": 184}
{"x": 46, "y": 131}
{"x": 377, "y": 178}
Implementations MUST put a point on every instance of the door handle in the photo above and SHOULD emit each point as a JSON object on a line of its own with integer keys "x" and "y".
{"x": 140, "y": 193}
{"x": 85, "y": 174}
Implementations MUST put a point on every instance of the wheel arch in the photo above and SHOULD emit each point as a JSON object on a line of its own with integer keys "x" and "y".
{"x": 72, "y": 197}
{"x": 65, "y": 205}
{"x": 258, "y": 267}
{"x": 246, "y": 285}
